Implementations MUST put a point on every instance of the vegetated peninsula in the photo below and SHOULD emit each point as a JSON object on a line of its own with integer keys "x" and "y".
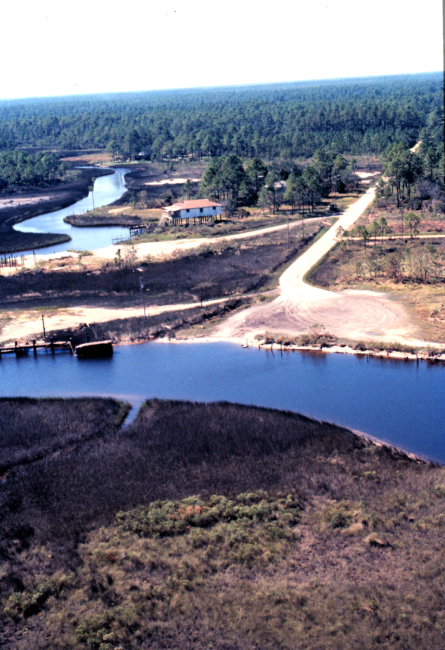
{"x": 222, "y": 525}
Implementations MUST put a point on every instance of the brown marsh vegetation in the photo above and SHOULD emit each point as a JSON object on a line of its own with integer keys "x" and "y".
{"x": 303, "y": 535}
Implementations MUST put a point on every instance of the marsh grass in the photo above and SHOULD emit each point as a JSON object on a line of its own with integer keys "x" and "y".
{"x": 30, "y": 429}
{"x": 229, "y": 527}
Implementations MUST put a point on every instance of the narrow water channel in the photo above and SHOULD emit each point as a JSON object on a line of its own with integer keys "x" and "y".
{"x": 401, "y": 403}
{"x": 106, "y": 190}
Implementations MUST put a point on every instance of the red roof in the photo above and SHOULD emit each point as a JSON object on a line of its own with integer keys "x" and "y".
{"x": 190, "y": 205}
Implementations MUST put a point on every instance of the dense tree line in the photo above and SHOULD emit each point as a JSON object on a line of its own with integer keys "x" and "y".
{"x": 227, "y": 178}
{"x": 270, "y": 122}
{"x": 411, "y": 178}
{"x": 19, "y": 169}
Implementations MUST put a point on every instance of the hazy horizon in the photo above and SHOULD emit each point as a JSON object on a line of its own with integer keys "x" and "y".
{"x": 222, "y": 87}
{"x": 90, "y": 48}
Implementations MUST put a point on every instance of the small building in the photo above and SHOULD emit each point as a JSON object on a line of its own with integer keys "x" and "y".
{"x": 200, "y": 211}
{"x": 143, "y": 155}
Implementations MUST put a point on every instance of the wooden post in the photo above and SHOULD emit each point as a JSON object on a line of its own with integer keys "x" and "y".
{"x": 43, "y": 325}
{"x": 34, "y": 347}
{"x": 52, "y": 345}
{"x": 16, "y": 350}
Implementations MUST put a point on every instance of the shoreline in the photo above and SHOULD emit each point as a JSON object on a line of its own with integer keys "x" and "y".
{"x": 399, "y": 451}
{"x": 372, "y": 439}
{"x": 63, "y": 196}
{"x": 378, "y": 442}
{"x": 76, "y": 190}
{"x": 276, "y": 347}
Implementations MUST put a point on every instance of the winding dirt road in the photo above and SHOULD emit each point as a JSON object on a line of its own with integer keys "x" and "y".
{"x": 28, "y": 323}
{"x": 352, "y": 314}
{"x": 358, "y": 315}
{"x": 159, "y": 248}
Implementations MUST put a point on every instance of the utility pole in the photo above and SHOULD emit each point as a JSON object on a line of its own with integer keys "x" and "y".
{"x": 142, "y": 294}
{"x": 288, "y": 229}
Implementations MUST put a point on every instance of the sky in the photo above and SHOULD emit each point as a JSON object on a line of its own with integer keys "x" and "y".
{"x": 52, "y": 47}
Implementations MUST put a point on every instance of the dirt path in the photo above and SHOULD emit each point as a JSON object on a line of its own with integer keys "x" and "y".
{"x": 352, "y": 314}
{"x": 357, "y": 315}
{"x": 160, "y": 248}
{"x": 157, "y": 249}
{"x": 28, "y": 324}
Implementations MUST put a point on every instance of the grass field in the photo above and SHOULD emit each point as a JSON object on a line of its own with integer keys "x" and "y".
{"x": 218, "y": 526}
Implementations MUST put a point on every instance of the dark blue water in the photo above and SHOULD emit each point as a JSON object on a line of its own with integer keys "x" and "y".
{"x": 107, "y": 189}
{"x": 402, "y": 403}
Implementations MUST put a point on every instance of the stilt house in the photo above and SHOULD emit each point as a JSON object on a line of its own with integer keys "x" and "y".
{"x": 199, "y": 211}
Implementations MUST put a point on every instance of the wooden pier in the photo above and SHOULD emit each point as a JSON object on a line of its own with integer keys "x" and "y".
{"x": 85, "y": 350}
{"x": 22, "y": 349}
{"x": 138, "y": 230}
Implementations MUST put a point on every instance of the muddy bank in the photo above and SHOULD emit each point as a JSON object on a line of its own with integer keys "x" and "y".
{"x": 157, "y": 181}
{"x": 140, "y": 329}
{"x": 102, "y": 221}
{"x": 55, "y": 198}
{"x": 12, "y": 241}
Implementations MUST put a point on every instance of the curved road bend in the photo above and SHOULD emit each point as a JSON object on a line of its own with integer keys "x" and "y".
{"x": 353, "y": 314}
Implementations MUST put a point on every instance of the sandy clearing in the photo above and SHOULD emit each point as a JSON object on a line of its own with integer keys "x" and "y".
{"x": 119, "y": 210}
{"x": 29, "y": 324}
{"x": 174, "y": 181}
{"x": 13, "y": 203}
{"x": 358, "y": 315}
{"x": 364, "y": 175}
{"x": 350, "y": 314}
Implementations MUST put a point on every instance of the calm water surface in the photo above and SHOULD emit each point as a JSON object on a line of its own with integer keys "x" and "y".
{"x": 107, "y": 189}
{"x": 402, "y": 403}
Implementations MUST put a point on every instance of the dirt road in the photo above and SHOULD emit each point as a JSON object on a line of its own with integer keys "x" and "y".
{"x": 352, "y": 314}
{"x": 160, "y": 248}
{"x": 358, "y": 315}
{"x": 29, "y": 323}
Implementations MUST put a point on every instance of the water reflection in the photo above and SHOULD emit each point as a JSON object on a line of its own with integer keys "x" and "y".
{"x": 403, "y": 403}
{"x": 107, "y": 189}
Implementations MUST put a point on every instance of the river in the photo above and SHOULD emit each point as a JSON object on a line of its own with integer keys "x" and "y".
{"x": 400, "y": 402}
{"x": 106, "y": 190}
